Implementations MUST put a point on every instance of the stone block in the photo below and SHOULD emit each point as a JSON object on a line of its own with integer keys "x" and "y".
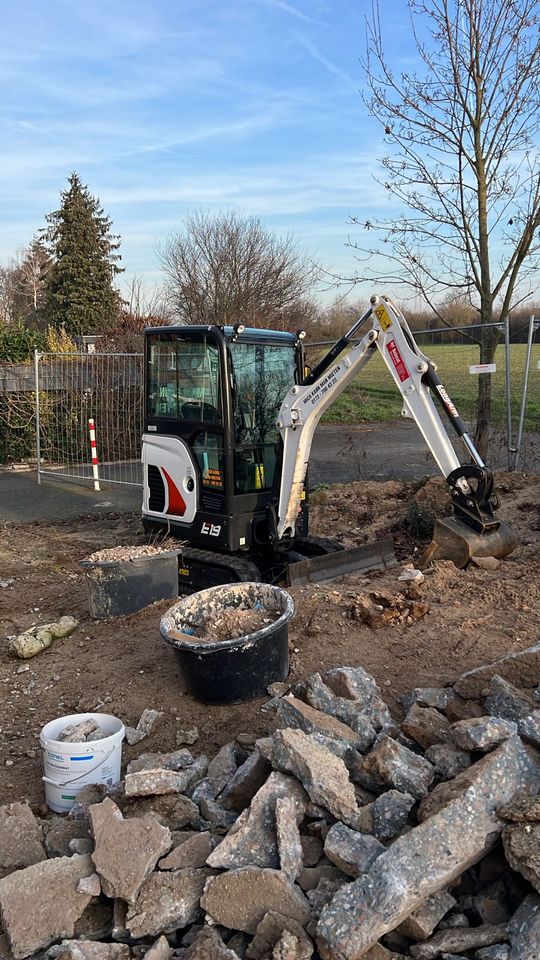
{"x": 223, "y": 766}
{"x": 156, "y": 782}
{"x": 355, "y": 715}
{"x": 352, "y": 682}
{"x": 521, "y": 843}
{"x": 322, "y": 894}
{"x": 438, "y": 697}
{"x": 208, "y": 945}
{"x": 351, "y": 851}
{"x": 126, "y": 851}
{"x": 463, "y": 826}
{"x": 177, "y": 760}
{"x": 521, "y": 669}
{"x": 192, "y": 853}
{"x": 426, "y": 726}
{"x": 88, "y": 950}
{"x": 390, "y": 814}
{"x": 252, "y": 840}
{"x": 463, "y": 939}
{"x": 288, "y": 837}
{"x": 505, "y": 700}
{"x": 243, "y": 786}
{"x": 220, "y": 819}
{"x": 49, "y": 888}
{"x": 421, "y": 923}
{"x": 324, "y": 776}
{"x": 524, "y": 930}
{"x": 482, "y": 733}
{"x": 167, "y": 901}
{"x": 529, "y": 728}
{"x": 270, "y": 931}
{"x": 173, "y": 810}
{"x": 21, "y": 840}
{"x": 239, "y": 899}
{"x": 301, "y": 716}
{"x": 448, "y": 760}
{"x": 393, "y": 765}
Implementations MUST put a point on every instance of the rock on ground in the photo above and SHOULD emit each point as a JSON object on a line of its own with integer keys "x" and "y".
{"x": 240, "y": 898}
{"x": 21, "y": 842}
{"x": 41, "y": 903}
{"x": 167, "y": 901}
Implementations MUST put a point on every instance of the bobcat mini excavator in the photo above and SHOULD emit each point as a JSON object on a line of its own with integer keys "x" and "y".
{"x": 229, "y": 422}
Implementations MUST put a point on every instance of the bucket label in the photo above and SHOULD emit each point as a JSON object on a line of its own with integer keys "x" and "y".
{"x": 91, "y": 757}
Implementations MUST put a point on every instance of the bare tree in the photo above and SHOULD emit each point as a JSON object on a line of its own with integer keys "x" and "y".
{"x": 228, "y": 269}
{"x": 462, "y": 161}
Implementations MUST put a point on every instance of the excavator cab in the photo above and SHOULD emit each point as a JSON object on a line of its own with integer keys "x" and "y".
{"x": 210, "y": 444}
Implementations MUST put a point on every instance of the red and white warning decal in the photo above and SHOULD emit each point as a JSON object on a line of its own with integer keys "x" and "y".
{"x": 397, "y": 360}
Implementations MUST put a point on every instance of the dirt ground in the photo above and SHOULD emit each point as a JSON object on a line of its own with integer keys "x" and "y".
{"x": 122, "y": 665}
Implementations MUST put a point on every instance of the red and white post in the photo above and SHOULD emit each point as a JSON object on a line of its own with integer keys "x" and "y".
{"x": 93, "y": 445}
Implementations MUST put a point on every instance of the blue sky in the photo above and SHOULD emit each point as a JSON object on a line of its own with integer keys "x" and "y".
{"x": 169, "y": 107}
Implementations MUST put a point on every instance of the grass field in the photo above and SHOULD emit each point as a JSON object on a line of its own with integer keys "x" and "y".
{"x": 374, "y": 396}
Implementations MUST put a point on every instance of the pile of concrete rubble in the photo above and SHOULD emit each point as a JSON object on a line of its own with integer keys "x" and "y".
{"x": 344, "y": 834}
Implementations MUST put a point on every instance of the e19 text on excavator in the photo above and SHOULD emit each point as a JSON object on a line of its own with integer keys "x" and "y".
{"x": 229, "y": 423}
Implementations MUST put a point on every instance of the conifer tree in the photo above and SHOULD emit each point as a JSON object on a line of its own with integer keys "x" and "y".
{"x": 80, "y": 293}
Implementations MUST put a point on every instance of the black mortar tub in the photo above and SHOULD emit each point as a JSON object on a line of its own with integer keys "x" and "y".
{"x": 119, "y": 587}
{"x": 231, "y": 671}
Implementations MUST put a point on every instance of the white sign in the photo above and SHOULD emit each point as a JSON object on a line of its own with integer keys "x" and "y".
{"x": 483, "y": 368}
{"x": 538, "y": 364}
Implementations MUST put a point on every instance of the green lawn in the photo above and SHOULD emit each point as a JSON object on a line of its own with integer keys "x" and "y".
{"x": 374, "y": 396}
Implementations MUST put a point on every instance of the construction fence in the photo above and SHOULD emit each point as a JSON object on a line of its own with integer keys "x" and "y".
{"x": 45, "y": 409}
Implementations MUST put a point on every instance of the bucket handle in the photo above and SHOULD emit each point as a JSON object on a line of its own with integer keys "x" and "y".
{"x": 66, "y": 783}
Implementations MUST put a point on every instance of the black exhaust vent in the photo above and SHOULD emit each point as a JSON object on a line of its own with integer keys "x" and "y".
{"x": 212, "y": 501}
{"x": 157, "y": 489}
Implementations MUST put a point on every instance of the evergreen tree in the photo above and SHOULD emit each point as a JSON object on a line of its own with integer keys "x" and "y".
{"x": 79, "y": 289}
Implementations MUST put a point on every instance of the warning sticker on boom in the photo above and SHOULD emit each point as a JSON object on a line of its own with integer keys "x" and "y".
{"x": 382, "y": 317}
{"x": 397, "y": 360}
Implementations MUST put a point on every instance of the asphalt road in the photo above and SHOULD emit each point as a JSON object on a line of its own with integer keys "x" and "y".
{"x": 340, "y": 454}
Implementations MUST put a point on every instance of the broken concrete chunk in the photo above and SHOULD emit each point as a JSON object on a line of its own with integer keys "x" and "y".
{"x": 421, "y": 923}
{"x": 505, "y": 700}
{"x": 190, "y": 735}
{"x": 448, "y": 760}
{"x": 177, "y": 760}
{"x": 521, "y": 669}
{"x": 351, "y": 851}
{"x": 126, "y": 851}
{"x": 521, "y": 843}
{"x": 288, "y": 837}
{"x": 88, "y": 950}
{"x": 240, "y": 898}
{"x": 322, "y": 894}
{"x": 492, "y": 903}
{"x": 499, "y": 951}
{"x": 21, "y": 842}
{"x": 220, "y": 819}
{"x": 151, "y": 783}
{"x": 465, "y": 938}
{"x": 91, "y": 793}
{"x": 252, "y": 840}
{"x": 172, "y": 810}
{"x": 223, "y": 767}
{"x": 38, "y": 638}
{"x": 529, "y": 728}
{"x": 310, "y": 877}
{"x": 463, "y": 826}
{"x": 482, "y": 733}
{"x": 356, "y": 716}
{"x": 390, "y": 813}
{"x": 160, "y": 950}
{"x": 524, "y": 930}
{"x": 245, "y": 783}
{"x": 392, "y": 764}
{"x": 60, "y": 834}
{"x": 299, "y": 715}
{"x": 270, "y": 931}
{"x": 90, "y": 885}
{"x": 323, "y": 775}
{"x": 51, "y": 888}
{"x": 134, "y": 736}
{"x": 208, "y": 945}
{"x": 148, "y": 720}
{"x": 290, "y": 947}
{"x": 167, "y": 901}
{"x": 438, "y": 697}
{"x": 95, "y": 922}
{"x": 522, "y": 810}
{"x": 192, "y": 853}
{"x": 426, "y": 726}
{"x": 352, "y": 682}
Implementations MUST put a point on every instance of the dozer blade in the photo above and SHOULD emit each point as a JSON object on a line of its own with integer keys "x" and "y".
{"x": 366, "y": 558}
{"x": 453, "y": 540}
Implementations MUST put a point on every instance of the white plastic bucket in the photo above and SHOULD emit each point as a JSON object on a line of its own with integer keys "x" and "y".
{"x": 68, "y": 767}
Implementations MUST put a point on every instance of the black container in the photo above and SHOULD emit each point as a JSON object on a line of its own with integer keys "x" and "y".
{"x": 118, "y": 587}
{"x": 231, "y": 671}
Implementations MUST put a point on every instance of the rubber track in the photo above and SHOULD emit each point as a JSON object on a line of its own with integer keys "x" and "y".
{"x": 244, "y": 571}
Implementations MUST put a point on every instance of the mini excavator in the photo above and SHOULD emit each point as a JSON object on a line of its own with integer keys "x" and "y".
{"x": 230, "y": 414}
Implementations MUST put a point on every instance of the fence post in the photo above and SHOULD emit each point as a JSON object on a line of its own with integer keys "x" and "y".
{"x": 510, "y": 449}
{"x": 37, "y": 356}
{"x": 93, "y": 446}
{"x": 532, "y": 330}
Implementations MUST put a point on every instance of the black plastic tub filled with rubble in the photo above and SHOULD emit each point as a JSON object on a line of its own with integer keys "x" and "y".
{"x": 231, "y": 641}
{"x": 121, "y": 580}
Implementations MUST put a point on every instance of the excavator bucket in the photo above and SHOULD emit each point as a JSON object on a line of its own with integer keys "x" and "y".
{"x": 363, "y": 559}
{"x": 455, "y": 541}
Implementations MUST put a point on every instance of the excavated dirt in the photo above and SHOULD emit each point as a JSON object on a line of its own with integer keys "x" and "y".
{"x": 230, "y": 624}
{"x": 122, "y": 666}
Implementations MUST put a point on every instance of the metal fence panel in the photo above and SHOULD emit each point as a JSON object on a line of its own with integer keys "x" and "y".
{"x": 73, "y": 388}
